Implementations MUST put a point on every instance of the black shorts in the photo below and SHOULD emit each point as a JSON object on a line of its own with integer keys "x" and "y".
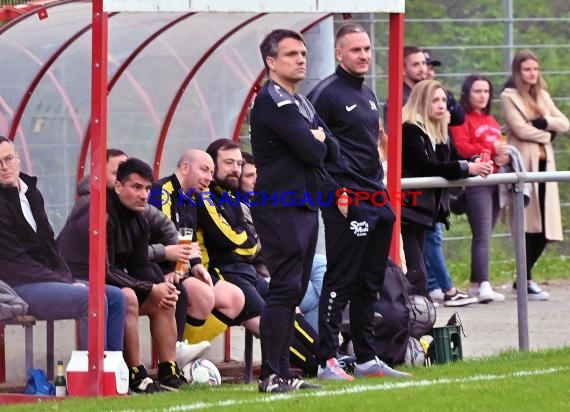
{"x": 253, "y": 286}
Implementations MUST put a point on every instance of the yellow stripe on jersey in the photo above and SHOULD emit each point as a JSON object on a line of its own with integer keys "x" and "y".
{"x": 223, "y": 226}
{"x": 200, "y": 240}
{"x": 166, "y": 199}
{"x": 246, "y": 252}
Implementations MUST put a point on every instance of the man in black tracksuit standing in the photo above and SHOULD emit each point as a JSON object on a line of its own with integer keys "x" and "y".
{"x": 290, "y": 147}
{"x": 358, "y": 235}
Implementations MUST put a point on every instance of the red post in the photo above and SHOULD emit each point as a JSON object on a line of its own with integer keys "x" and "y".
{"x": 97, "y": 218}
{"x": 395, "y": 79}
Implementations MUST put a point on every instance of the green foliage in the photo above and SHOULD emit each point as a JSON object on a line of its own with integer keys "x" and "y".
{"x": 471, "y": 37}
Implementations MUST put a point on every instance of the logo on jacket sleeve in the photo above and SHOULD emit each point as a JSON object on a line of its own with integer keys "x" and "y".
{"x": 359, "y": 228}
{"x": 350, "y": 108}
{"x": 373, "y": 105}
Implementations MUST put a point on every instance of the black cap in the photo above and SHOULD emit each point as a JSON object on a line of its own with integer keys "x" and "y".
{"x": 429, "y": 61}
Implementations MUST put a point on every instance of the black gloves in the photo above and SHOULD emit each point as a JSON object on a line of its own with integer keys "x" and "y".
{"x": 539, "y": 123}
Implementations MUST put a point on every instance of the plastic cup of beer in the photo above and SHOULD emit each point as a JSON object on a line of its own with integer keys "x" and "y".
{"x": 184, "y": 238}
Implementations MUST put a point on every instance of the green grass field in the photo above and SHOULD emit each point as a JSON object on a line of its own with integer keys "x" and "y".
{"x": 512, "y": 381}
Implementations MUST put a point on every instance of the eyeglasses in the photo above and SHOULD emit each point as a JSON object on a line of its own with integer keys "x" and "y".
{"x": 8, "y": 161}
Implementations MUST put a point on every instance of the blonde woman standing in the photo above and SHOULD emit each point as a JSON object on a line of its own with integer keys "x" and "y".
{"x": 533, "y": 121}
{"x": 427, "y": 151}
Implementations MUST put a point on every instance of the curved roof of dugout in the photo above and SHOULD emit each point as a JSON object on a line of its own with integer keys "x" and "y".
{"x": 175, "y": 80}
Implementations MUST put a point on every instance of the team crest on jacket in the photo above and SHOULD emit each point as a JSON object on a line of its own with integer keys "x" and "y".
{"x": 373, "y": 105}
{"x": 359, "y": 228}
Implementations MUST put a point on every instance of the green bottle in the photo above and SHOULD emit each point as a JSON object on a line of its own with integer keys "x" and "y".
{"x": 60, "y": 382}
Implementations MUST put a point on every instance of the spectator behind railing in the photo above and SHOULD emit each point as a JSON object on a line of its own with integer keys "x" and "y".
{"x": 533, "y": 121}
{"x": 427, "y": 152}
{"x": 479, "y": 133}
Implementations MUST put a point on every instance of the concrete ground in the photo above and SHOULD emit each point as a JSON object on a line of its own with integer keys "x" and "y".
{"x": 490, "y": 329}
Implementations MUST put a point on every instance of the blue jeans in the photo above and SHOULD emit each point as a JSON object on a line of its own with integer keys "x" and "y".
{"x": 434, "y": 260}
{"x": 56, "y": 300}
{"x": 310, "y": 304}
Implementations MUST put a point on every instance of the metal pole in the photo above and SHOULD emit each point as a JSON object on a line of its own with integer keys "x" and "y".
{"x": 509, "y": 34}
{"x": 97, "y": 207}
{"x": 395, "y": 93}
{"x": 517, "y": 226}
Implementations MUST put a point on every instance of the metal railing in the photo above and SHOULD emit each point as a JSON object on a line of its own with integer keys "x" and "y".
{"x": 517, "y": 181}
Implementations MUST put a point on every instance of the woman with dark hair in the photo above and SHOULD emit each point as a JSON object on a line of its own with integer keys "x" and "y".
{"x": 533, "y": 121}
{"x": 426, "y": 151}
{"x": 480, "y": 134}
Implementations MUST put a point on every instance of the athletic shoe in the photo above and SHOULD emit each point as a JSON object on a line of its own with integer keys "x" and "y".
{"x": 346, "y": 362}
{"x": 274, "y": 384}
{"x": 534, "y": 291}
{"x": 377, "y": 368}
{"x": 299, "y": 383}
{"x": 459, "y": 299}
{"x": 485, "y": 293}
{"x": 186, "y": 352}
{"x": 139, "y": 382}
{"x": 169, "y": 376}
{"x": 437, "y": 296}
{"x": 333, "y": 371}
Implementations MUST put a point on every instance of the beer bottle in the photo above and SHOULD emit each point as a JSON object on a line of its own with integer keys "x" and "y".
{"x": 60, "y": 382}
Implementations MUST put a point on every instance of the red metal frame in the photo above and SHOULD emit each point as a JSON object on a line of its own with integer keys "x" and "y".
{"x": 97, "y": 208}
{"x": 395, "y": 93}
{"x": 184, "y": 84}
{"x": 31, "y": 13}
{"x": 87, "y": 138}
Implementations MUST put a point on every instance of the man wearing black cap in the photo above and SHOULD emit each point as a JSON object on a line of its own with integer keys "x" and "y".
{"x": 456, "y": 112}
{"x": 430, "y": 65}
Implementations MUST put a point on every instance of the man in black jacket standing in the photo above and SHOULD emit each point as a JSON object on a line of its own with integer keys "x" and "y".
{"x": 31, "y": 263}
{"x": 290, "y": 146}
{"x": 358, "y": 235}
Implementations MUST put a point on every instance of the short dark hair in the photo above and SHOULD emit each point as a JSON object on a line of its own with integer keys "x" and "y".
{"x": 268, "y": 46}
{"x": 466, "y": 91}
{"x": 248, "y": 158}
{"x": 134, "y": 165}
{"x": 115, "y": 153}
{"x": 4, "y": 140}
{"x": 347, "y": 29}
{"x": 220, "y": 144}
{"x": 411, "y": 50}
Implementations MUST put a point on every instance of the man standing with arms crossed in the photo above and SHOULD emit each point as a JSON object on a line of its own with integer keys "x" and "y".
{"x": 290, "y": 148}
{"x": 358, "y": 236}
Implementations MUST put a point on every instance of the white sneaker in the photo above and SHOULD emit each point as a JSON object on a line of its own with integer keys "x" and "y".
{"x": 535, "y": 292}
{"x": 186, "y": 352}
{"x": 485, "y": 293}
{"x": 437, "y": 295}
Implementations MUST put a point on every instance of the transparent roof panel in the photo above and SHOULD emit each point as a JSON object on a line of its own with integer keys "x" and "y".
{"x": 145, "y": 93}
{"x": 194, "y": 69}
{"x": 31, "y": 42}
{"x": 231, "y": 70}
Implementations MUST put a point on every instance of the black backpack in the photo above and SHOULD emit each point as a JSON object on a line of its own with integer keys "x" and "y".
{"x": 392, "y": 316}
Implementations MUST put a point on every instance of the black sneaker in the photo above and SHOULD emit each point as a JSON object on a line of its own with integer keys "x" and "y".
{"x": 459, "y": 299}
{"x": 169, "y": 376}
{"x": 298, "y": 382}
{"x": 274, "y": 384}
{"x": 139, "y": 382}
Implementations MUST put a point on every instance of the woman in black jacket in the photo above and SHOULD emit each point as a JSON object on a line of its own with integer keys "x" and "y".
{"x": 427, "y": 151}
